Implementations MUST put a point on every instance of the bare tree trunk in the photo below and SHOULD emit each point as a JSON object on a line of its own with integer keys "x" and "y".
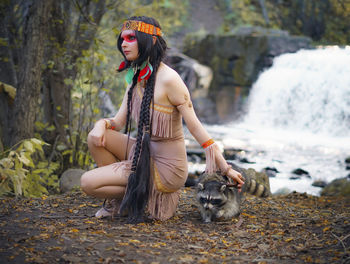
{"x": 8, "y": 73}
{"x": 29, "y": 81}
{"x": 72, "y": 38}
{"x": 264, "y": 12}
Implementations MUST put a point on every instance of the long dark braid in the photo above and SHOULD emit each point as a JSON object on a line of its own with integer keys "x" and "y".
{"x": 136, "y": 196}
{"x": 129, "y": 107}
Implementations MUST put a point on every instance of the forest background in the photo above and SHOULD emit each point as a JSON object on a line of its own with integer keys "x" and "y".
{"x": 58, "y": 57}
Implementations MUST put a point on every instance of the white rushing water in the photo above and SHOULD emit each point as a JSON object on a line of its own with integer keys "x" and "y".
{"x": 298, "y": 116}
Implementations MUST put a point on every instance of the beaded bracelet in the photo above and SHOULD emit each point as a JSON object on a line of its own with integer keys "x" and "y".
{"x": 208, "y": 143}
{"x": 109, "y": 124}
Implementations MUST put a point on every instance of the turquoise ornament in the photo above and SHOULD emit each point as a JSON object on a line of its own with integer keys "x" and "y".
{"x": 146, "y": 70}
{"x": 129, "y": 75}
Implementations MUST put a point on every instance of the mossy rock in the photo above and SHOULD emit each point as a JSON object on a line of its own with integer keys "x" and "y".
{"x": 338, "y": 187}
{"x": 237, "y": 59}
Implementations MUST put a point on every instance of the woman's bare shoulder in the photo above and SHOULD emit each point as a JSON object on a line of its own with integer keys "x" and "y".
{"x": 174, "y": 87}
{"x": 168, "y": 74}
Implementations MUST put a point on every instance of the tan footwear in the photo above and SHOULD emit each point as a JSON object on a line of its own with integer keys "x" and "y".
{"x": 102, "y": 212}
{"x": 110, "y": 207}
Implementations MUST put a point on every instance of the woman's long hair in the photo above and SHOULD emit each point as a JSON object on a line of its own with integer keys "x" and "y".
{"x": 137, "y": 191}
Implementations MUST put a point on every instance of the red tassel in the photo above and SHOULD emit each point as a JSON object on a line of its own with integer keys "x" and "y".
{"x": 144, "y": 74}
{"x": 122, "y": 66}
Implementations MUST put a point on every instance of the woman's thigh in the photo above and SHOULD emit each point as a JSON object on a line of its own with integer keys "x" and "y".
{"x": 117, "y": 147}
{"x": 118, "y": 144}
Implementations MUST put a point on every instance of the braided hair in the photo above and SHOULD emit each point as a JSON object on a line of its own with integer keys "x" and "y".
{"x": 137, "y": 191}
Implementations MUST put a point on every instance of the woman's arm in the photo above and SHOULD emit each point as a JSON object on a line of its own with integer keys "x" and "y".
{"x": 117, "y": 123}
{"x": 179, "y": 96}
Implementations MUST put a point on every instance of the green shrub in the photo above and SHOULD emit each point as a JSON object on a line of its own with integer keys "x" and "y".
{"x": 26, "y": 172}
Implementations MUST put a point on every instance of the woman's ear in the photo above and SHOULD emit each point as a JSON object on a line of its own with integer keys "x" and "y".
{"x": 154, "y": 39}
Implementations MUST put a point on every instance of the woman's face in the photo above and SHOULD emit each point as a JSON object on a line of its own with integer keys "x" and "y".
{"x": 130, "y": 47}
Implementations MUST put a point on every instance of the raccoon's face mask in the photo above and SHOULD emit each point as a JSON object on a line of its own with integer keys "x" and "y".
{"x": 201, "y": 187}
{"x": 212, "y": 204}
{"x": 212, "y": 196}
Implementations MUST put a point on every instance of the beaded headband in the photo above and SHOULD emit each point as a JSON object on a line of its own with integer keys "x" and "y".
{"x": 142, "y": 27}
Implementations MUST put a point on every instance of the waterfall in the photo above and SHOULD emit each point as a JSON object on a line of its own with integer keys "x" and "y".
{"x": 298, "y": 116}
{"x": 304, "y": 91}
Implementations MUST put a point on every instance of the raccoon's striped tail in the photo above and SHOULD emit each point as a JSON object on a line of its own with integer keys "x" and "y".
{"x": 255, "y": 188}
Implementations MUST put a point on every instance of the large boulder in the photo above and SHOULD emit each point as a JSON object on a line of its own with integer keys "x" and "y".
{"x": 338, "y": 187}
{"x": 197, "y": 78}
{"x": 70, "y": 179}
{"x": 237, "y": 59}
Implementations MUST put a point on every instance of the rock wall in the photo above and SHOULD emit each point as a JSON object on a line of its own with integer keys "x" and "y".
{"x": 197, "y": 78}
{"x": 236, "y": 60}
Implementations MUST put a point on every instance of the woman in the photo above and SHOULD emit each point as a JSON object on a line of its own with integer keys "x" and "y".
{"x": 147, "y": 172}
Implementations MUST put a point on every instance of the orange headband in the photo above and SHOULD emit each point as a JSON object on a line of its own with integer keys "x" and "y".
{"x": 142, "y": 27}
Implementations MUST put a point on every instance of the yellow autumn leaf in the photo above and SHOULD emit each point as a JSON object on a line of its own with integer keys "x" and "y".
{"x": 309, "y": 259}
{"x": 94, "y": 205}
{"x": 288, "y": 239}
{"x": 28, "y": 146}
{"x": 44, "y": 235}
{"x": 326, "y": 228}
{"x": 24, "y": 159}
{"x": 55, "y": 248}
{"x": 250, "y": 216}
{"x": 74, "y": 230}
{"x": 134, "y": 241}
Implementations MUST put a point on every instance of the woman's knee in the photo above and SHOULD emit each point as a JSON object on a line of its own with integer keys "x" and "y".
{"x": 86, "y": 183}
{"x": 89, "y": 141}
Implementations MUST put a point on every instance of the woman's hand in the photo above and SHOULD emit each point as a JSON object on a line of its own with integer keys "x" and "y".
{"x": 236, "y": 177}
{"x": 97, "y": 134}
{"x": 227, "y": 170}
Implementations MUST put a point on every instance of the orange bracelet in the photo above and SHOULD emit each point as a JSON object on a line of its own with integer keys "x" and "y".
{"x": 208, "y": 143}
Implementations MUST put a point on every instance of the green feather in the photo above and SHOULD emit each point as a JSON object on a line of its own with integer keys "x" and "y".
{"x": 143, "y": 65}
{"x": 129, "y": 75}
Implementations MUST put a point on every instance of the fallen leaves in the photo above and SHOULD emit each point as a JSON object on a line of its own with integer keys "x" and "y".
{"x": 293, "y": 228}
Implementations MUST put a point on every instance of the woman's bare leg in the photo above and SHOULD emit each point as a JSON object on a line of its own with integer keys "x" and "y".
{"x": 107, "y": 181}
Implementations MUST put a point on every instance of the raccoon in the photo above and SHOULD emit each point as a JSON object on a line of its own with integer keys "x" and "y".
{"x": 218, "y": 199}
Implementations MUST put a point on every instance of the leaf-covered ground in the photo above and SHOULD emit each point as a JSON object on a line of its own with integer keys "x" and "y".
{"x": 296, "y": 228}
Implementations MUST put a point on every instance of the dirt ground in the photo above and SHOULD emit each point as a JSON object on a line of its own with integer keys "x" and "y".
{"x": 296, "y": 228}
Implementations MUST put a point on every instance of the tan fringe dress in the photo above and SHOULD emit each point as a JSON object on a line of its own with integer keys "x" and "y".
{"x": 168, "y": 157}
